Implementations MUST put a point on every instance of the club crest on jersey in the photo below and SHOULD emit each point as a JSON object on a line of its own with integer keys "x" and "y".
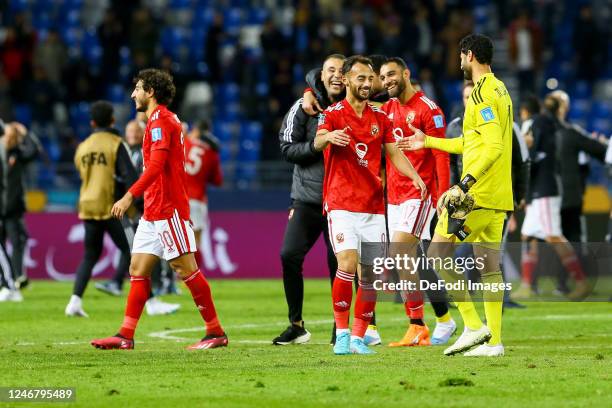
{"x": 340, "y": 238}
{"x": 487, "y": 114}
{"x": 361, "y": 149}
{"x": 374, "y": 129}
{"x": 156, "y": 134}
{"x": 410, "y": 117}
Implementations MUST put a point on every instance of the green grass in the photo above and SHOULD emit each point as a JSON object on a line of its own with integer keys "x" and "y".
{"x": 557, "y": 354}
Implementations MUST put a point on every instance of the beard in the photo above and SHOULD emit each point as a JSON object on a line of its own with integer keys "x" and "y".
{"x": 467, "y": 74}
{"x": 140, "y": 107}
{"x": 399, "y": 88}
{"x": 357, "y": 94}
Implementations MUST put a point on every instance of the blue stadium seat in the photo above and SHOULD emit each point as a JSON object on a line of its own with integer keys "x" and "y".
{"x": 196, "y": 46}
{"x": 257, "y": 15}
{"x": 224, "y": 131}
{"x": 229, "y": 92}
{"x": 202, "y": 17}
{"x": 90, "y": 46}
{"x": 23, "y": 114}
{"x": 116, "y": 93}
{"x": 41, "y": 21}
{"x": 579, "y": 109}
{"x": 601, "y": 110}
{"x": 229, "y": 111}
{"x": 251, "y": 131}
{"x": 601, "y": 125}
{"x": 232, "y": 21}
{"x": 581, "y": 89}
{"x": 179, "y": 4}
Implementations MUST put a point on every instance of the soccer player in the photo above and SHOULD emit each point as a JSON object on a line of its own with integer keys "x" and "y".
{"x": 409, "y": 217}
{"x": 164, "y": 230}
{"x": 27, "y": 150}
{"x": 555, "y": 152}
{"x": 101, "y": 161}
{"x": 203, "y": 167}
{"x": 351, "y": 134}
{"x": 486, "y": 145}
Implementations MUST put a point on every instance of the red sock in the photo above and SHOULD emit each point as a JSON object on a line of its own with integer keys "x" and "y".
{"x": 200, "y": 291}
{"x": 140, "y": 287}
{"x": 528, "y": 265}
{"x": 573, "y": 266}
{"x": 342, "y": 296}
{"x": 414, "y": 305}
{"x": 198, "y": 258}
{"x": 364, "y": 308}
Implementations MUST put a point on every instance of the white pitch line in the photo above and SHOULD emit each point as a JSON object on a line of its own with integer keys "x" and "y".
{"x": 166, "y": 335}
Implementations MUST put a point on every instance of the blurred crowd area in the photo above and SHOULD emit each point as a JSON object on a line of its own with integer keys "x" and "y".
{"x": 242, "y": 63}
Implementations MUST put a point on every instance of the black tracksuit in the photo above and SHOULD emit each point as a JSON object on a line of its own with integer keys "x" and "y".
{"x": 306, "y": 220}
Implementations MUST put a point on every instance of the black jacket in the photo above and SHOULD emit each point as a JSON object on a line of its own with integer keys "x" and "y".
{"x": 571, "y": 140}
{"x": 544, "y": 170}
{"x": 296, "y": 137}
{"x": 18, "y": 159}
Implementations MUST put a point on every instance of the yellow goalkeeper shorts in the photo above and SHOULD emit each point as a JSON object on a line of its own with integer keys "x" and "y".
{"x": 483, "y": 225}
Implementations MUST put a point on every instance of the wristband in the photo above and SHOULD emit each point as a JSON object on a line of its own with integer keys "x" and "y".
{"x": 467, "y": 182}
{"x": 308, "y": 90}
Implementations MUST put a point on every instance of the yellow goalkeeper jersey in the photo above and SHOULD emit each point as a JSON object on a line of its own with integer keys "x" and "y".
{"x": 486, "y": 144}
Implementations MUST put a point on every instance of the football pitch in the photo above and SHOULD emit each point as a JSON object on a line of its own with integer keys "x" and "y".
{"x": 557, "y": 354}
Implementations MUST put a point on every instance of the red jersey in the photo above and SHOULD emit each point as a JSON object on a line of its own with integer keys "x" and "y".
{"x": 203, "y": 166}
{"x": 432, "y": 165}
{"x": 167, "y": 192}
{"x": 352, "y": 173}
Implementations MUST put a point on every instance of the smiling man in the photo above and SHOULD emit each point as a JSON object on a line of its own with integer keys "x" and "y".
{"x": 164, "y": 230}
{"x": 306, "y": 221}
{"x": 351, "y": 134}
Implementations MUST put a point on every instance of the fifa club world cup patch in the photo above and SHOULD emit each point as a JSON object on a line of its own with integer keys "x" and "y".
{"x": 438, "y": 121}
{"x": 321, "y": 119}
{"x": 156, "y": 134}
{"x": 487, "y": 114}
{"x": 340, "y": 238}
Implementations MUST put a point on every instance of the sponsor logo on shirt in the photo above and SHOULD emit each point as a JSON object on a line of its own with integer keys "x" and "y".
{"x": 361, "y": 149}
{"x": 487, "y": 114}
{"x": 156, "y": 134}
{"x": 438, "y": 121}
{"x": 340, "y": 238}
{"x": 410, "y": 117}
{"x": 398, "y": 134}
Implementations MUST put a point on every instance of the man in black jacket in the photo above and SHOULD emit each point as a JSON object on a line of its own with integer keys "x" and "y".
{"x": 8, "y": 290}
{"x": 543, "y": 214}
{"x": 18, "y": 158}
{"x": 306, "y": 220}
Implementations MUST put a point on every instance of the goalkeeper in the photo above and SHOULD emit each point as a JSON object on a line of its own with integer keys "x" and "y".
{"x": 475, "y": 209}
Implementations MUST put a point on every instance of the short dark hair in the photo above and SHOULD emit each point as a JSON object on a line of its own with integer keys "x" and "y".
{"x": 102, "y": 113}
{"x": 531, "y": 104}
{"x": 398, "y": 60}
{"x": 355, "y": 59}
{"x": 377, "y": 62}
{"x": 480, "y": 45}
{"x": 160, "y": 81}
{"x": 552, "y": 104}
{"x": 203, "y": 125}
{"x": 336, "y": 56}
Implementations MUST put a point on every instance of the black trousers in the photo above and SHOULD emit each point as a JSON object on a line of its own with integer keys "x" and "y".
{"x": 17, "y": 235}
{"x": 305, "y": 225}
{"x": 94, "y": 242}
{"x": 6, "y": 269}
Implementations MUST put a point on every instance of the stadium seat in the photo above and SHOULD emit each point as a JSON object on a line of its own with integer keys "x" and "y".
{"x": 251, "y": 131}
{"x": 579, "y": 109}
{"x": 23, "y": 114}
{"x": 581, "y": 89}
{"x": 179, "y": 4}
{"x": 225, "y": 131}
{"x": 232, "y": 21}
{"x": 229, "y": 92}
{"x": 601, "y": 110}
{"x": 116, "y": 93}
{"x": 601, "y": 125}
{"x": 257, "y": 15}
